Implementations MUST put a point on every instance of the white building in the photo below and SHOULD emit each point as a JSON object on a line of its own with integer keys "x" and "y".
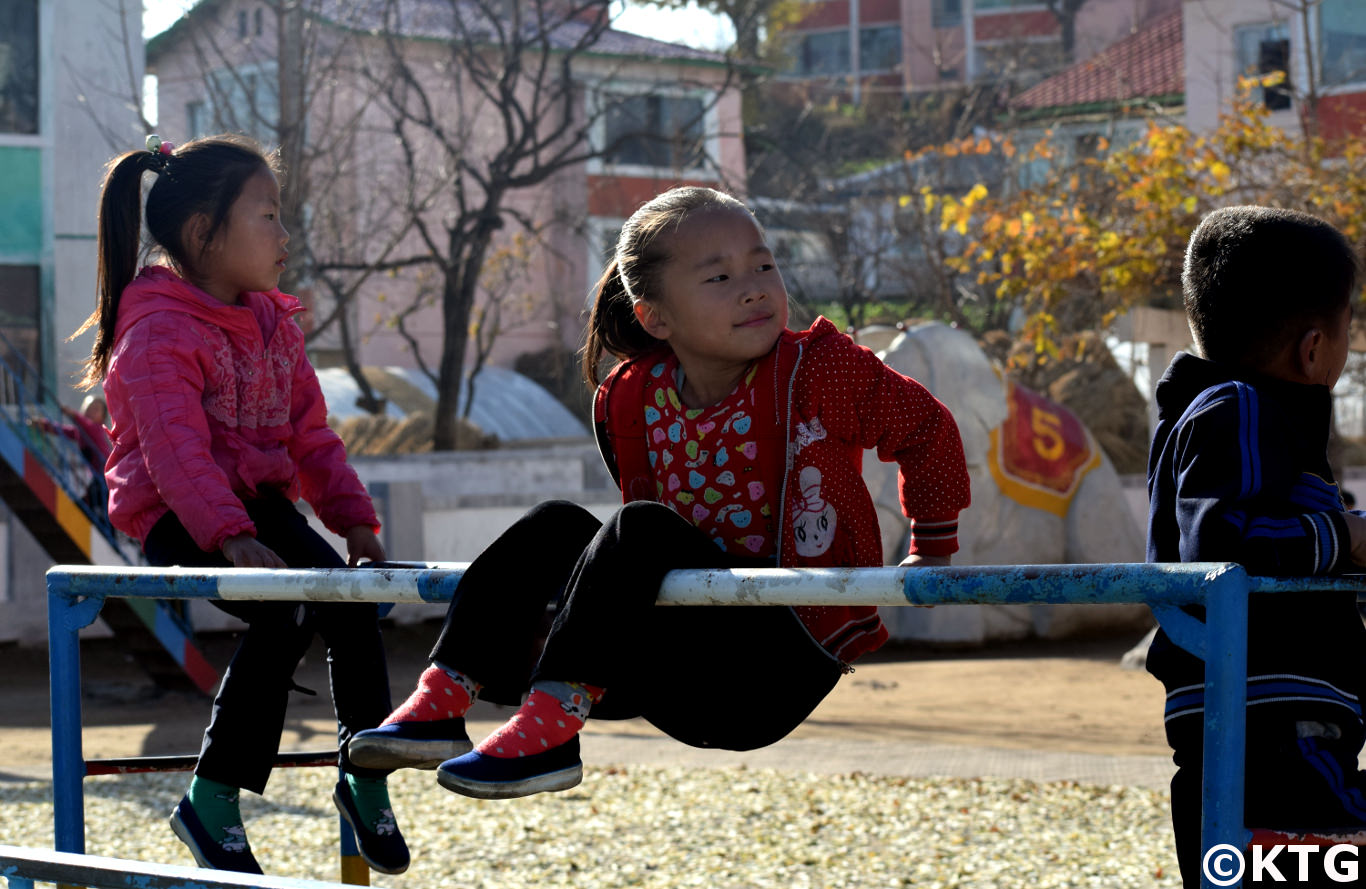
{"x": 70, "y": 80}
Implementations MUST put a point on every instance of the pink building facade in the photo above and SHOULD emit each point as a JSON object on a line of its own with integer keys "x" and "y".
{"x": 217, "y": 70}
{"x": 1322, "y": 46}
{"x": 868, "y": 47}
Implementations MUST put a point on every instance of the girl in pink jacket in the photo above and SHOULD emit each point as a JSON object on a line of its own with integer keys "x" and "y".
{"x": 219, "y": 426}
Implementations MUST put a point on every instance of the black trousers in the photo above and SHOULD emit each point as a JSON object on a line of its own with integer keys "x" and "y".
{"x": 1290, "y": 784}
{"x": 734, "y": 677}
{"x": 243, "y": 737}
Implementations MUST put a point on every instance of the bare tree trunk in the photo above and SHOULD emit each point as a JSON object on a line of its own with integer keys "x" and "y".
{"x": 511, "y": 77}
{"x": 292, "y": 132}
{"x": 1065, "y": 11}
{"x": 367, "y": 401}
{"x": 457, "y": 297}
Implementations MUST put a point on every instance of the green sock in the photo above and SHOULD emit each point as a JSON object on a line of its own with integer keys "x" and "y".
{"x": 216, "y": 806}
{"x": 371, "y": 796}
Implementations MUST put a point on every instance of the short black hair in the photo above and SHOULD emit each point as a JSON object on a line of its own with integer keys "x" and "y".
{"x": 1257, "y": 278}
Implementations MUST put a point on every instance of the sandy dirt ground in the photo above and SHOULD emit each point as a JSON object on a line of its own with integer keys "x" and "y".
{"x": 1070, "y": 696}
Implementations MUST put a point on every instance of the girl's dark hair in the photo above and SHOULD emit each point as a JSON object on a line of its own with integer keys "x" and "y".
{"x": 634, "y": 274}
{"x": 201, "y": 177}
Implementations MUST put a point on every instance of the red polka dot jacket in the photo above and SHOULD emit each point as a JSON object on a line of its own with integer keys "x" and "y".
{"x": 829, "y": 400}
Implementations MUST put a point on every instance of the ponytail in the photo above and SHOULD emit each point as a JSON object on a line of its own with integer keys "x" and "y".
{"x": 118, "y": 246}
{"x": 612, "y": 326}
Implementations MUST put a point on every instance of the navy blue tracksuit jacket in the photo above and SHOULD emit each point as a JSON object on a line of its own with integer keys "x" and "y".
{"x": 1238, "y": 472}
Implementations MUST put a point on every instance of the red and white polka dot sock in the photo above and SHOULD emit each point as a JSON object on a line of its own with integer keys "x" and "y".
{"x": 552, "y": 714}
{"x": 442, "y": 693}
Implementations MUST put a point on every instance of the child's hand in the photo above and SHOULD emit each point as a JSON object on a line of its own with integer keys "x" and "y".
{"x": 245, "y": 551}
{"x": 1356, "y": 528}
{"x": 919, "y": 560}
{"x": 361, "y": 543}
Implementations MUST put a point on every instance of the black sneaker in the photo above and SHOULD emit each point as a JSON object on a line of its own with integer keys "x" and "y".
{"x": 492, "y": 777}
{"x": 381, "y": 845}
{"x": 409, "y": 745}
{"x": 231, "y": 853}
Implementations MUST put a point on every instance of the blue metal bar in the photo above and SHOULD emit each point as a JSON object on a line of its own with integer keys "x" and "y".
{"x": 1164, "y": 584}
{"x": 1185, "y": 631}
{"x": 1222, "y": 640}
{"x": 1225, "y": 744}
{"x": 65, "y": 617}
{"x": 21, "y": 866}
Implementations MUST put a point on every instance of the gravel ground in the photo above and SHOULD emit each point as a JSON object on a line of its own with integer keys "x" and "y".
{"x": 670, "y": 827}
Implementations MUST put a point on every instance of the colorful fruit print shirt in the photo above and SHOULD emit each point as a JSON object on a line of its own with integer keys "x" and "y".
{"x": 706, "y": 464}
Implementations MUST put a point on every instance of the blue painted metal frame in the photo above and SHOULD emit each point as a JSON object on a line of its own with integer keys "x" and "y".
{"x": 22, "y": 866}
{"x": 76, "y": 593}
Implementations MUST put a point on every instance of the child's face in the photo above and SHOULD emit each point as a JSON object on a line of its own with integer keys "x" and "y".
{"x": 248, "y": 252}
{"x": 723, "y": 300}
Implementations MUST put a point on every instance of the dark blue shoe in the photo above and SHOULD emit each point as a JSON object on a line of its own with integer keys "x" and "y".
{"x": 490, "y": 777}
{"x": 381, "y": 845}
{"x": 409, "y": 745}
{"x": 231, "y": 853}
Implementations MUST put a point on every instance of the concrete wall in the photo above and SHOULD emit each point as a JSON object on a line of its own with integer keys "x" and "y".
{"x": 449, "y": 507}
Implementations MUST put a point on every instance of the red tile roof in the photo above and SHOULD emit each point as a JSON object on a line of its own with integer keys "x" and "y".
{"x": 1148, "y": 63}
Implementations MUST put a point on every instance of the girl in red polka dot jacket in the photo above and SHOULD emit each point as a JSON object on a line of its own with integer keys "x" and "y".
{"x": 736, "y": 443}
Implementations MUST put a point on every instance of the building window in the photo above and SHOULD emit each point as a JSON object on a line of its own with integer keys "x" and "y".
{"x": 947, "y": 13}
{"x": 602, "y": 247}
{"x": 242, "y": 24}
{"x": 879, "y": 48}
{"x": 657, "y": 130}
{"x": 1265, "y": 49}
{"x": 983, "y": 5}
{"x": 1342, "y": 42}
{"x": 246, "y": 100}
{"x": 19, "y": 300}
{"x": 258, "y": 21}
{"x": 19, "y": 66}
{"x": 1021, "y": 62}
{"x": 826, "y": 52}
{"x": 196, "y": 120}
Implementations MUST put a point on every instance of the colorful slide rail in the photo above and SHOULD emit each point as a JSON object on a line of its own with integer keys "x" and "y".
{"x": 43, "y": 480}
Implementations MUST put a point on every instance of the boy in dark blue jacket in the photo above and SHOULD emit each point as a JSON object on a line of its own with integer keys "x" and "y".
{"x": 1238, "y": 472}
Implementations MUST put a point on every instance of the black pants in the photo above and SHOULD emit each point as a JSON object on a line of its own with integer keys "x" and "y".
{"x": 243, "y": 737}
{"x": 1290, "y": 784}
{"x": 710, "y": 676}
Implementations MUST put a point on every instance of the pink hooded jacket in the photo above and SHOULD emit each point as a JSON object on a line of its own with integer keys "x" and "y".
{"x": 212, "y": 404}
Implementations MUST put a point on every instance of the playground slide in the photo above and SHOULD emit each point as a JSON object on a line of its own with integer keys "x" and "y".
{"x": 43, "y": 480}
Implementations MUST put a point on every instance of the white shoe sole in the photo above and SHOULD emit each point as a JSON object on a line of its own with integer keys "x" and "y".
{"x": 183, "y": 834}
{"x": 549, "y": 782}
{"x": 402, "y": 753}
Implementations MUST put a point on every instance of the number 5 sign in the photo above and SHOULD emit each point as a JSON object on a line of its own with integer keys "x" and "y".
{"x": 1040, "y": 454}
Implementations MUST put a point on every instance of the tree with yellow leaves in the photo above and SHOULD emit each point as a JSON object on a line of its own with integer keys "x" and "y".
{"x": 1091, "y": 238}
